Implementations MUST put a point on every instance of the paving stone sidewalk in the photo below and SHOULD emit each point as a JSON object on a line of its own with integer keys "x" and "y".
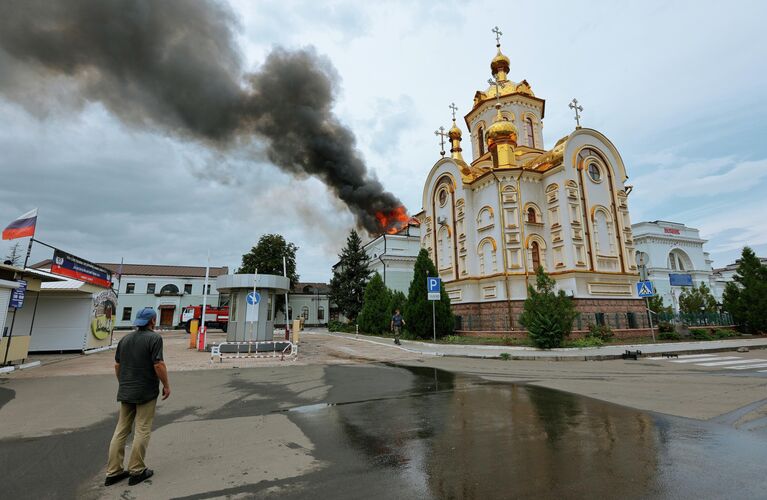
{"x": 562, "y": 354}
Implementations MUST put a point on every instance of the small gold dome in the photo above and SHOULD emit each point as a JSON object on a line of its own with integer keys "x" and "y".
{"x": 454, "y": 132}
{"x": 500, "y": 63}
{"x": 501, "y": 129}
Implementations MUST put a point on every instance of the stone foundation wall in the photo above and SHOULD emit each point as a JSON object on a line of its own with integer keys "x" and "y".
{"x": 627, "y": 317}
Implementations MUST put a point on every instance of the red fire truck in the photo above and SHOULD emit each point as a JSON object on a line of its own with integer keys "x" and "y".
{"x": 215, "y": 317}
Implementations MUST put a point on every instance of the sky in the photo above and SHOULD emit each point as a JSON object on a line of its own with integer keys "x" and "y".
{"x": 679, "y": 87}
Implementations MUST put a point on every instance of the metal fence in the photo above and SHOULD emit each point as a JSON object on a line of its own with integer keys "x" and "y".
{"x": 697, "y": 319}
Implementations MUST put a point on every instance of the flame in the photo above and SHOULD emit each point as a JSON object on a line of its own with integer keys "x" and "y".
{"x": 393, "y": 221}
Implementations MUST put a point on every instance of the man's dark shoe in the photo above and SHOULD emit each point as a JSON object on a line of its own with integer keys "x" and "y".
{"x": 110, "y": 480}
{"x": 145, "y": 474}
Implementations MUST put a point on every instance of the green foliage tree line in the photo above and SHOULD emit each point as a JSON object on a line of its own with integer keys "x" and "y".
{"x": 350, "y": 277}
{"x": 746, "y": 297}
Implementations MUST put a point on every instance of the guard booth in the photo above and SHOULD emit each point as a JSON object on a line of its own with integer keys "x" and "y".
{"x": 251, "y": 315}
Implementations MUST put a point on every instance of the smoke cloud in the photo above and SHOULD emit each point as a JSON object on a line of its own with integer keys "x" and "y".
{"x": 173, "y": 65}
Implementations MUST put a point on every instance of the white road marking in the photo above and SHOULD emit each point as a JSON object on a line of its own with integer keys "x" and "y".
{"x": 748, "y": 367}
{"x": 684, "y": 356}
{"x": 725, "y": 363}
{"x": 698, "y": 360}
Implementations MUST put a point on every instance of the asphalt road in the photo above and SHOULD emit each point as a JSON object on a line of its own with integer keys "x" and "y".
{"x": 370, "y": 431}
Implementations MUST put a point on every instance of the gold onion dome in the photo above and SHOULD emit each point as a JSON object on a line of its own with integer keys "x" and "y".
{"x": 454, "y": 132}
{"x": 501, "y": 129}
{"x": 500, "y": 63}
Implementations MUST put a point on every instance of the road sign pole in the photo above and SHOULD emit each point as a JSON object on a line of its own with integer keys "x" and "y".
{"x": 434, "y": 320}
{"x": 649, "y": 317}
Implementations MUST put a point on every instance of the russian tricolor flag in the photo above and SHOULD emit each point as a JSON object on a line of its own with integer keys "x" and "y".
{"x": 22, "y": 227}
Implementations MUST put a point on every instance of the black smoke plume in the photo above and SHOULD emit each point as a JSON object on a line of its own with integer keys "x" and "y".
{"x": 174, "y": 65}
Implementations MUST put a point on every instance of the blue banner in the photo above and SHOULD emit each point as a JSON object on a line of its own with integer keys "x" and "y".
{"x": 17, "y": 295}
{"x": 680, "y": 279}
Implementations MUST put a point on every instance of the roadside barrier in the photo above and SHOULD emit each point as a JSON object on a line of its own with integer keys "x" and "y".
{"x": 265, "y": 349}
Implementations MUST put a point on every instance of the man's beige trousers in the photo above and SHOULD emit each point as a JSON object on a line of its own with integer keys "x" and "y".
{"x": 142, "y": 415}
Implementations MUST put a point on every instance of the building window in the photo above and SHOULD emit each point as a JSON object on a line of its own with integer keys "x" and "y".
{"x": 127, "y": 311}
{"x": 130, "y": 287}
{"x": 150, "y": 287}
{"x": 530, "y": 132}
{"x": 188, "y": 288}
{"x": 481, "y": 141}
{"x": 208, "y": 291}
{"x": 599, "y": 318}
{"x": 535, "y": 250}
{"x": 169, "y": 289}
{"x": 321, "y": 313}
{"x": 594, "y": 172}
{"x": 631, "y": 318}
{"x": 531, "y": 215}
{"x": 305, "y": 312}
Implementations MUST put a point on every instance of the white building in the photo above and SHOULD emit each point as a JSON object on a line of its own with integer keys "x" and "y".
{"x": 488, "y": 224}
{"x": 723, "y": 275}
{"x": 672, "y": 248}
{"x": 393, "y": 256}
{"x": 310, "y": 301}
{"x": 167, "y": 289}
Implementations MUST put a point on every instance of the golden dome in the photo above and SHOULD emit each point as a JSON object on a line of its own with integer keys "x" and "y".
{"x": 501, "y": 129}
{"x": 500, "y": 63}
{"x": 454, "y": 132}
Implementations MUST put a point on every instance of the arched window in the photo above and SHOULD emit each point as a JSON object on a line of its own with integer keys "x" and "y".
{"x": 535, "y": 250}
{"x": 605, "y": 237}
{"x": 531, "y": 217}
{"x": 679, "y": 261}
{"x": 305, "y": 312}
{"x": 530, "y": 132}
{"x": 169, "y": 290}
{"x": 481, "y": 140}
{"x": 487, "y": 257}
{"x": 321, "y": 313}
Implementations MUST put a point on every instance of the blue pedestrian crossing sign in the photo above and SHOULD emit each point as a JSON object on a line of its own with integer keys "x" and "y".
{"x": 432, "y": 287}
{"x": 645, "y": 289}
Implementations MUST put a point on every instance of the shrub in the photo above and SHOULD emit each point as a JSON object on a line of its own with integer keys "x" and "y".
{"x": 507, "y": 340}
{"x": 338, "y": 326}
{"x": 668, "y": 335}
{"x": 505, "y": 356}
{"x": 700, "y": 334}
{"x": 724, "y": 333}
{"x": 666, "y": 327}
{"x": 374, "y": 316}
{"x": 601, "y": 332}
{"x": 451, "y": 339}
{"x": 586, "y": 342}
{"x": 548, "y": 316}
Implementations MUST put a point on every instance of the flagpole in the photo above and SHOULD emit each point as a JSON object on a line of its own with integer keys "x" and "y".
{"x": 287, "y": 309}
{"x": 13, "y": 320}
{"x": 203, "y": 338}
{"x": 119, "y": 279}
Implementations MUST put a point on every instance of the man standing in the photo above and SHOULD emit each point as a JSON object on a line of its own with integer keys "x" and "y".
{"x": 140, "y": 368}
{"x": 397, "y": 322}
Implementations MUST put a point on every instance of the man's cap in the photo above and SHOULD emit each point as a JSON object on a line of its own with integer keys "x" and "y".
{"x": 144, "y": 316}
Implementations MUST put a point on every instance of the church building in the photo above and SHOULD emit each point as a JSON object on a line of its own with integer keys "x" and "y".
{"x": 489, "y": 222}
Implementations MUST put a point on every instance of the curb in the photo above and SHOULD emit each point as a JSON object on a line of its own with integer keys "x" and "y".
{"x": 533, "y": 357}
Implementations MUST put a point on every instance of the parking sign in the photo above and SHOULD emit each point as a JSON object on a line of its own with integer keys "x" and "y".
{"x": 432, "y": 287}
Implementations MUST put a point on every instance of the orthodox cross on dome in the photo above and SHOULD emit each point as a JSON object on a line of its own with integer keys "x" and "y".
{"x": 498, "y": 34}
{"x": 441, "y": 133}
{"x": 574, "y": 105}
{"x": 498, "y": 84}
{"x": 453, "y": 109}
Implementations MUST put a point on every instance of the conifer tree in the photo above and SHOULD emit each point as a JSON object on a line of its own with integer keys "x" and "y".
{"x": 418, "y": 309}
{"x": 347, "y": 287}
{"x": 398, "y": 301}
{"x": 746, "y": 298}
{"x": 658, "y": 307}
{"x": 374, "y": 317}
{"x": 548, "y": 316}
{"x": 697, "y": 300}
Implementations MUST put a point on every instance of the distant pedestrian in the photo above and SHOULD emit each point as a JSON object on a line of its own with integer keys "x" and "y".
{"x": 140, "y": 368}
{"x": 397, "y": 322}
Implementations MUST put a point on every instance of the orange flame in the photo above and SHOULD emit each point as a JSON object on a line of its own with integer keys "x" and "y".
{"x": 393, "y": 221}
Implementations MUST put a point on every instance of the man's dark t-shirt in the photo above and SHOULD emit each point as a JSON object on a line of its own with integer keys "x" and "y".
{"x": 137, "y": 353}
{"x": 397, "y": 319}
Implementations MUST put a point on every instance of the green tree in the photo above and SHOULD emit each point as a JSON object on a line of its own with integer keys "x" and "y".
{"x": 697, "y": 300}
{"x": 418, "y": 309}
{"x": 548, "y": 316}
{"x": 266, "y": 257}
{"x": 350, "y": 276}
{"x": 746, "y": 298}
{"x": 398, "y": 301}
{"x": 658, "y": 307}
{"x": 374, "y": 316}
